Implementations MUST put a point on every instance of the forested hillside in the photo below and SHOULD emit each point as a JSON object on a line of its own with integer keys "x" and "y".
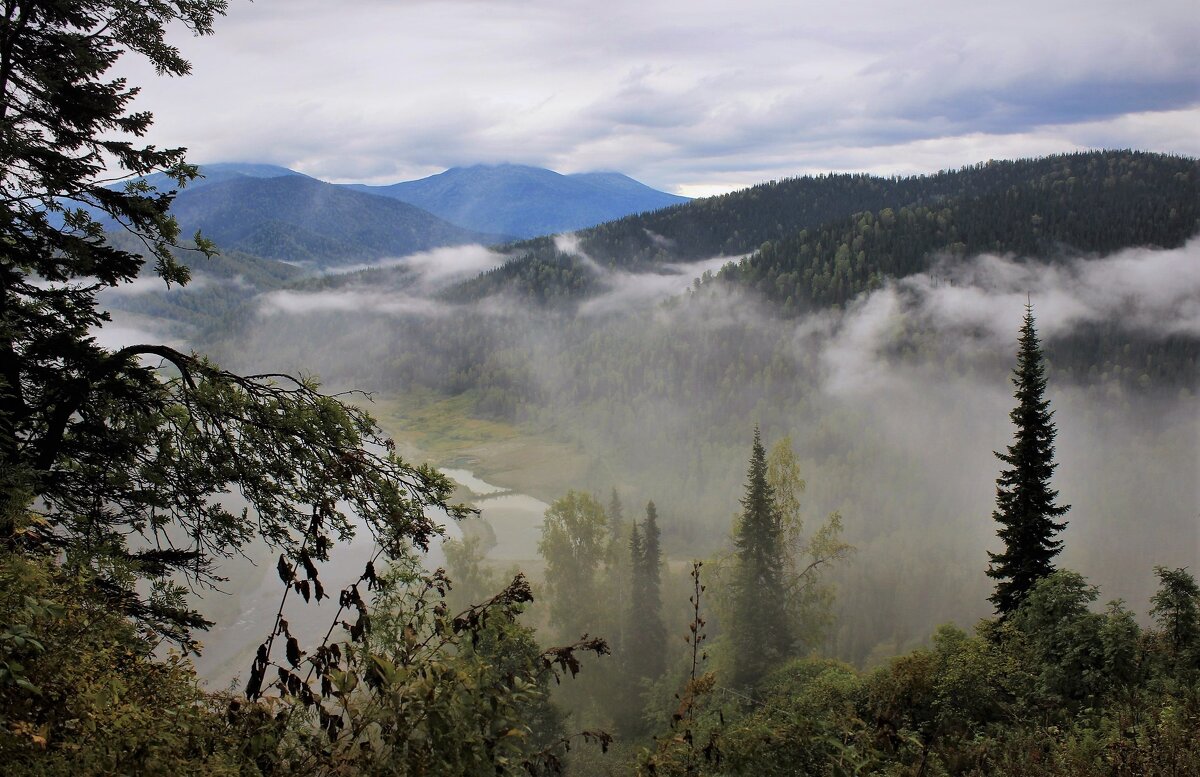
{"x": 1083, "y": 204}
{"x": 824, "y": 239}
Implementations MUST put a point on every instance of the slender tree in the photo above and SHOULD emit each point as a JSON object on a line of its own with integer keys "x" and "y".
{"x": 612, "y": 616}
{"x": 1025, "y": 502}
{"x": 616, "y": 515}
{"x": 643, "y": 657}
{"x": 654, "y": 632}
{"x": 809, "y": 598}
{"x": 759, "y": 627}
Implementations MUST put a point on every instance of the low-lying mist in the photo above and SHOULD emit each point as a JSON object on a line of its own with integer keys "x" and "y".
{"x": 894, "y": 404}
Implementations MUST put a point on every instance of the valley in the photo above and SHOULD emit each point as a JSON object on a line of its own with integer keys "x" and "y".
{"x": 634, "y": 357}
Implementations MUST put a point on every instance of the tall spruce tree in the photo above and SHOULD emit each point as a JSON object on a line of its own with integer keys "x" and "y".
{"x": 643, "y": 659}
{"x": 637, "y": 592}
{"x": 616, "y": 515}
{"x": 644, "y": 622}
{"x": 758, "y": 625}
{"x": 653, "y": 662}
{"x": 1025, "y": 506}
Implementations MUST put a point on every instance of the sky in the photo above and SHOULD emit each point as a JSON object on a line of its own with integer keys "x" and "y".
{"x": 696, "y": 97}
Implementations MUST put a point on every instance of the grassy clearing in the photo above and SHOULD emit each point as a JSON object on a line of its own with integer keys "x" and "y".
{"x": 443, "y": 430}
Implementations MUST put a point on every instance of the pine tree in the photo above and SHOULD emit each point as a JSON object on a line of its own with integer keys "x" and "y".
{"x": 637, "y": 590}
{"x": 629, "y": 715}
{"x": 616, "y": 515}
{"x": 1025, "y": 507}
{"x": 653, "y": 662}
{"x": 759, "y": 622}
{"x": 643, "y": 659}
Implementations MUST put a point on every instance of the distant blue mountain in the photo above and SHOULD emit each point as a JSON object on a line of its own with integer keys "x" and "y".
{"x": 219, "y": 173}
{"x": 525, "y": 201}
{"x": 295, "y": 218}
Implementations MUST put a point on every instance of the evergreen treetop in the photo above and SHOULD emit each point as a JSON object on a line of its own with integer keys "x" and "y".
{"x": 1025, "y": 502}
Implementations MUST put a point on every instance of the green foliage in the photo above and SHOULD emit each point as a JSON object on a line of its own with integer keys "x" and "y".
{"x": 695, "y": 722}
{"x": 116, "y": 465}
{"x": 758, "y": 626}
{"x": 647, "y": 636}
{"x": 1176, "y": 610}
{"x": 1025, "y": 507}
{"x": 574, "y": 540}
{"x": 648, "y": 578}
{"x": 423, "y": 691}
{"x": 618, "y": 576}
{"x": 1054, "y": 689}
{"x": 82, "y": 691}
{"x": 1062, "y": 636}
{"x": 809, "y": 597}
{"x": 821, "y": 240}
{"x": 473, "y": 580}
{"x": 643, "y": 654}
{"x": 554, "y": 279}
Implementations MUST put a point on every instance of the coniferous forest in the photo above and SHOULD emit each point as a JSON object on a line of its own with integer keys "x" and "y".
{"x": 824, "y": 460}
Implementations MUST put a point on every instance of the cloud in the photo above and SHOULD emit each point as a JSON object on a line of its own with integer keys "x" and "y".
{"x": 628, "y": 291}
{"x": 127, "y": 329}
{"x": 393, "y": 287}
{"x": 152, "y": 284}
{"x": 349, "y": 300}
{"x": 977, "y": 305}
{"x": 428, "y": 271}
{"x": 681, "y": 95}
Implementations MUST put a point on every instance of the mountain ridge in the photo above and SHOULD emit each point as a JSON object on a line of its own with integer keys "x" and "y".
{"x": 526, "y": 201}
{"x": 1143, "y": 198}
{"x": 304, "y": 220}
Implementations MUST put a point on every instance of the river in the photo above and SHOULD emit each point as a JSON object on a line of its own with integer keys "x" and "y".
{"x": 244, "y": 616}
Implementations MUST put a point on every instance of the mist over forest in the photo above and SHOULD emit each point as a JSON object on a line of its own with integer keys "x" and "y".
{"x": 894, "y": 404}
{"x": 502, "y": 470}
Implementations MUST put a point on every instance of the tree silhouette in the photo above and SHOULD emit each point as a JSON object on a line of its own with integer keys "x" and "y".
{"x": 1025, "y": 507}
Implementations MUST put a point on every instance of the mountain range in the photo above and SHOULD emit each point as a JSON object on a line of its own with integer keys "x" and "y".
{"x": 278, "y": 213}
{"x": 526, "y": 201}
{"x": 299, "y": 219}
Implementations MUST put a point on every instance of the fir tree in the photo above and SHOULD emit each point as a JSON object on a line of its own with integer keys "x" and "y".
{"x": 759, "y": 623}
{"x": 652, "y": 663}
{"x": 1025, "y": 507}
{"x": 616, "y": 515}
{"x": 633, "y": 649}
{"x": 643, "y": 658}
{"x": 637, "y": 555}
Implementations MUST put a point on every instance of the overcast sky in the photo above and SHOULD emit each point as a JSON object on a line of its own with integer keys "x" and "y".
{"x": 694, "y": 97}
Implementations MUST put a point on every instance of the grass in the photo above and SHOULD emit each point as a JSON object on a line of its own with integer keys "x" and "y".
{"x": 444, "y": 431}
